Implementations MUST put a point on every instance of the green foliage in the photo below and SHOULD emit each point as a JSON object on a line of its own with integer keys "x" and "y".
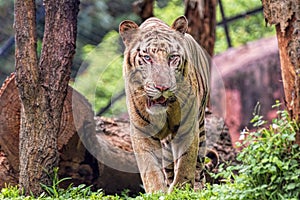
{"x": 270, "y": 162}
{"x": 54, "y": 189}
{"x": 102, "y": 76}
{"x": 170, "y": 12}
{"x": 244, "y": 30}
{"x": 79, "y": 192}
{"x": 10, "y": 192}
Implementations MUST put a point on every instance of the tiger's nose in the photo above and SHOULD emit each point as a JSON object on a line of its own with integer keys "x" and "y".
{"x": 162, "y": 88}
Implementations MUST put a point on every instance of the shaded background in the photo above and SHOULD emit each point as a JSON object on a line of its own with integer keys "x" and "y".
{"x": 250, "y": 72}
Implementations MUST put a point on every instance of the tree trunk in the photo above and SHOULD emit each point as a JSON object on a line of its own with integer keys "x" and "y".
{"x": 42, "y": 85}
{"x": 77, "y": 117}
{"x": 201, "y": 15}
{"x": 286, "y": 16}
{"x": 143, "y": 8}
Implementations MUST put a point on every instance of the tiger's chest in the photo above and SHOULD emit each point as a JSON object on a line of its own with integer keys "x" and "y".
{"x": 174, "y": 121}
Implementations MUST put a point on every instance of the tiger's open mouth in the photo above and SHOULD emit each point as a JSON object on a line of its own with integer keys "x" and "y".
{"x": 159, "y": 101}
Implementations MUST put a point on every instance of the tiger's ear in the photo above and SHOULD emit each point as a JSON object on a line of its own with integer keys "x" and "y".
{"x": 180, "y": 24}
{"x": 127, "y": 30}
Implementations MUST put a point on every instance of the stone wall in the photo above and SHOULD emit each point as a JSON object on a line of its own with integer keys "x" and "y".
{"x": 250, "y": 74}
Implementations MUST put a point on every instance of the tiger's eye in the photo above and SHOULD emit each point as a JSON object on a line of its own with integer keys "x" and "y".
{"x": 147, "y": 57}
{"x": 172, "y": 57}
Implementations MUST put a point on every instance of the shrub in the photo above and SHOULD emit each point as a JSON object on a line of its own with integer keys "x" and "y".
{"x": 270, "y": 162}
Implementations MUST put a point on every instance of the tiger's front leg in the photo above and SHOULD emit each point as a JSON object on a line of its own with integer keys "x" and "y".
{"x": 148, "y": 154}
{"x": 185, "y": 151}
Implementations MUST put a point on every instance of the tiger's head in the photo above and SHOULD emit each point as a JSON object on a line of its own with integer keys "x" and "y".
{"x": 153, "y": 61}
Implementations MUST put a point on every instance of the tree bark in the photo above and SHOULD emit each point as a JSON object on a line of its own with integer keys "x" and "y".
{"x": 201, "y": 15}
{"x": 42, "y": 85}
{"x": 77, "y": 117}
{"x": 285, "y": 15}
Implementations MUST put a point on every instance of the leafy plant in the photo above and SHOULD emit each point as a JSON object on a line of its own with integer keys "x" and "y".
{"x": 9, "y": 192}
{"x": 79, "y": 192}
{"x": 54, "y": 190}
{"x": 270, "y": 161}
